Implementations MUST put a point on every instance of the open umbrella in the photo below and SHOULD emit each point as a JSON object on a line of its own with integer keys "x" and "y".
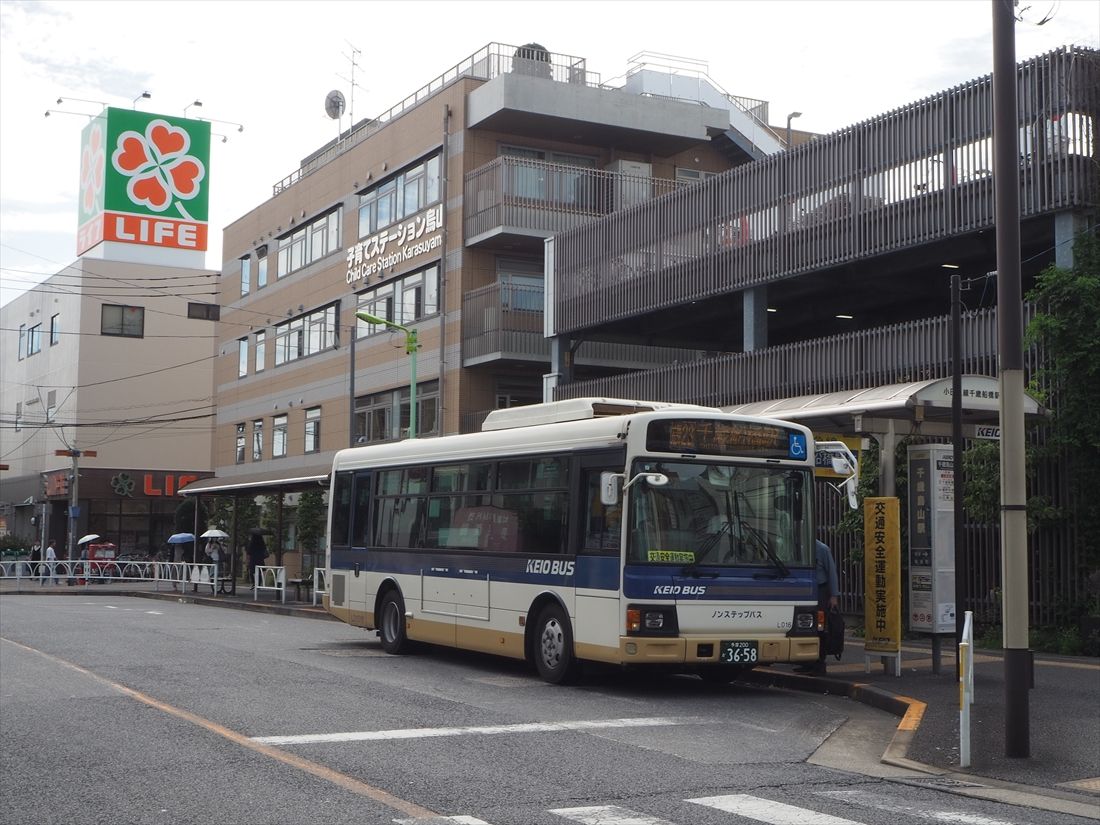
{"x": 214, "y": 533}
{"x": 87, "y": 538}
{"x": 181, "y": 538}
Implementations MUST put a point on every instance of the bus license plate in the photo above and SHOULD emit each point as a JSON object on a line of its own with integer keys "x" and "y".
{"x": 738, "y": 653}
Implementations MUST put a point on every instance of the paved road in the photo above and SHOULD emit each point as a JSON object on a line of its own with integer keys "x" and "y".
{"x": 119, "y": 710}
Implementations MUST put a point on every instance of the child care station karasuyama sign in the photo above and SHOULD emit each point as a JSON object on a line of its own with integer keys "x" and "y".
{"x": 143, "y": 180}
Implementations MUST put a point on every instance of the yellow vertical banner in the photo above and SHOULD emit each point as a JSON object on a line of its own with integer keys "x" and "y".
{"x": 882, "y": 575}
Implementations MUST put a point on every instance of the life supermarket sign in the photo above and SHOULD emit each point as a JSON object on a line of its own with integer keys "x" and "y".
{"x": 144, "y": 179}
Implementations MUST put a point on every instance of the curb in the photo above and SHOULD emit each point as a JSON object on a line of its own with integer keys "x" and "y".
{"x": 256, "y": 607}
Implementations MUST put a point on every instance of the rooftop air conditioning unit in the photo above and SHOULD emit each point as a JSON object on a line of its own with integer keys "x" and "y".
{"x": 632, "y": 185}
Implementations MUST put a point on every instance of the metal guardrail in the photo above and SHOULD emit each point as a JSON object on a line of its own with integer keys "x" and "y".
{"x": 491, "y": 61}
{"x": 320, "y": 583}
{"x": 269, "y": 578}
{"x": 87, "y": 572}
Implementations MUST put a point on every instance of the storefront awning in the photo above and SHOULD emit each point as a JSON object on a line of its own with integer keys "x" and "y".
{"x": 273, "y": 481}
{"x": 918, "y": 407}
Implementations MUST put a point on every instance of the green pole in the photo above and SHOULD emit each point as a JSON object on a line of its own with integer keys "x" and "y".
{"x": 410, "y": 348}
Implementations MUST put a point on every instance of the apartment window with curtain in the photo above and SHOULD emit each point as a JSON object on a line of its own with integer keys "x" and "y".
{"x": 51, "y": 405}
{"x": 258, "y": 440}
{"x": 242, "y": 357}
{"x": 521, "y": 283}
{"x": 278, "y": 436}
{"x": 313, "y": 430}
{"x": 240, "y": 444}
{"x": 55, "y": 329}
{"x": 125, "y": 321}
{"x": 567, "y": 182}
{"x": 246, "y": 274}
{"x": 34, "y": 339}
{"x": 261, "y": 350}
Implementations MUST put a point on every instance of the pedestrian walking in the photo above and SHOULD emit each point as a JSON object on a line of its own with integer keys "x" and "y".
{"x": 257, "y": 553}
{"x": 828, "y": 588}
{"x": 50, "y": 567}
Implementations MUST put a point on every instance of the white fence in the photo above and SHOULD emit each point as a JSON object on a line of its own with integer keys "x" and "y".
{"x": 87, "y": 572}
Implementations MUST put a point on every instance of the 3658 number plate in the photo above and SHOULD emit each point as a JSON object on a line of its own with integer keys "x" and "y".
{"x": 738, "y": 653}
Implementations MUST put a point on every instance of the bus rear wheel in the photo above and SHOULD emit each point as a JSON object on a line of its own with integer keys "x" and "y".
{"x": 391, "y": 626}
{"x": 553, "y": 647}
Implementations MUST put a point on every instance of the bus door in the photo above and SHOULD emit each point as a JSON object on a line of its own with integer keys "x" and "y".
{"x": 597, "y": 545}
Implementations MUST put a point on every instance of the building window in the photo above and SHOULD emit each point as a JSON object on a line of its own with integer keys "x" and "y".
{"x": 305, "y": 335}
{"x": 379, "y": 416}
{"x": 261, "y": 350}
{"x": 242, "y": 358}
{"x": 126, "y": 321}
{"x": 34, "y": 339}
{"x": 313, "y": 430}
{"x": 240, "y": 443}
{"x": 258, "y": 440}
{"x": 51, "y": 405}
{"x": 521, "y": 284}
{"x": 400, "y": 196}
{"x": 538, "y": 181}
{"x": 22, "y": 341}
{"x": 690, "y": 177}
{"x": 18, "y": 416}
{"x": 261, "y": 267}
{"x": 278, "y": 436}
{"x": 309, "y": 243}
{"x": 203, "y": 312}
{"x": 246, "y": 274}
{"x": 404, "y": 300}
{"x": 55, "y": 329}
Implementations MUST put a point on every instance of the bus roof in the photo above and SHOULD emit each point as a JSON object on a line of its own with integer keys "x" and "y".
{"x": 576, "y": 409}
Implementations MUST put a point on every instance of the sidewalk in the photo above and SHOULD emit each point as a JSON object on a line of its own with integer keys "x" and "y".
{"x": 1062, "y": 772}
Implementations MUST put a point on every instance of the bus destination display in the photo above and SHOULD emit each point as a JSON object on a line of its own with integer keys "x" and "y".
{"x": 730, "y": 438}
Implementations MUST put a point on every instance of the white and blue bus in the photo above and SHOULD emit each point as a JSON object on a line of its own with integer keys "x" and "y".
{"x": 601, "y": 530}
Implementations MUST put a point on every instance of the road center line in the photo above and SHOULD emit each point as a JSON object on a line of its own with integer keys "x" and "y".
{"x": 487, "y": 730}
{"x": 320, "y": 771}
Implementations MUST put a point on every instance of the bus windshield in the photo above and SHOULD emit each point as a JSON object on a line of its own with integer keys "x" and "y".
{"x": 722, "y": 515}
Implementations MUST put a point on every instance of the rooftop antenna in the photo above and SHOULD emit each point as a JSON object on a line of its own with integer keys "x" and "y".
{"x": 353, "y": 59}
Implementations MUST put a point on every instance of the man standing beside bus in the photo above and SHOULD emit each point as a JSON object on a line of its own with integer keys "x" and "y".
{"x": 828, "y": 588}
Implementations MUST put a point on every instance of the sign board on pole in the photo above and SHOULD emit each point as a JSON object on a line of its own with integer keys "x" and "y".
{"x": 882, "y": 574}
{"x": 931, "y": 538}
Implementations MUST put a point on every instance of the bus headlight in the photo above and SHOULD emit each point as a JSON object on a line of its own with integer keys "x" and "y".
{"x": 651, "y": 620}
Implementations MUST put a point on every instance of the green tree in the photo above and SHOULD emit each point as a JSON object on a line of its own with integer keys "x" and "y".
{"x": 311, "y": 516}
{"x": 1066, "y": 331}
{"x": 271, "y": 524}
{"x": 248, "y": 516}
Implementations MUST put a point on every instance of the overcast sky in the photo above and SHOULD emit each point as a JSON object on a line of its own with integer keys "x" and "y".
{"x": 268, "y": 66}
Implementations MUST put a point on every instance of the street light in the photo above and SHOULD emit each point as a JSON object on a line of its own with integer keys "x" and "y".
{"x": 190, "y": 105}
{"x": 791, "y": 117}
{"x": 410, "y": 348}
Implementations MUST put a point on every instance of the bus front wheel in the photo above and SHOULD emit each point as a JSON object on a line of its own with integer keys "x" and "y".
{"x": 554, "y": 657}
{"x": 391, "y": 628}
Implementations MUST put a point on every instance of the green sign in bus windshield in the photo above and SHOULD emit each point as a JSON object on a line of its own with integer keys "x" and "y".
{"x": 711, "y": 436}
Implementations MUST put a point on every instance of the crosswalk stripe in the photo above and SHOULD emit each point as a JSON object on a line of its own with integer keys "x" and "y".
{"x": 765, "y": 810}
{"x": 892, "y": 804}
{"x": 608, "y": 815}
{"x": 440, "y": 820}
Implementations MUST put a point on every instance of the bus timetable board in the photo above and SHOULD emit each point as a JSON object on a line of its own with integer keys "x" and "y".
{"x": 730, "y": 438}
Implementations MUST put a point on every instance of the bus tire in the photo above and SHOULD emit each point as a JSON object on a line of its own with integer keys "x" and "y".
{"x": 553, "y": 647}
{"x": 391, "y": 624}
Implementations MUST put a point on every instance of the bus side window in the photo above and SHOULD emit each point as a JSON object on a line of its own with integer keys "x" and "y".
{"x": 360, "y": 511}
{"x": 341, "y": 509}
{"x": 602, "y": 523}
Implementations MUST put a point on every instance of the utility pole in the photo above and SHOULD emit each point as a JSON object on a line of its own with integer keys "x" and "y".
{"x": 1010, "y": 351}
{"x": 74, "y": 495}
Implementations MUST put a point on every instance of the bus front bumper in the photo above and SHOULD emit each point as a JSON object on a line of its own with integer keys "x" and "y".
{"x": 706, "y": 650}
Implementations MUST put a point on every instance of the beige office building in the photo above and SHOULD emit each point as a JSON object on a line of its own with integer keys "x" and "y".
{"x": 433, "y": 216}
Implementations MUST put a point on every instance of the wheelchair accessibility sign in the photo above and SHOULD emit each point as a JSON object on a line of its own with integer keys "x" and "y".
{"x": 796, "y": 445}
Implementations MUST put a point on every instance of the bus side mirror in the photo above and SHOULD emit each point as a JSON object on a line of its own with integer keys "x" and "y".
{"x": 609, "y": 488}
{"x": 840, "y": 466}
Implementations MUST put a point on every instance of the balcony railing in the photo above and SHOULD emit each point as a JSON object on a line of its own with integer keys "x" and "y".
{"x": 541, "y": 198}
{"x": 505, "y": 321}
{"x": 485, "y": 64}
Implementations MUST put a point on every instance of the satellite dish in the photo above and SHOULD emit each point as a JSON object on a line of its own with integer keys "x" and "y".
{"x": 334, "y": 103}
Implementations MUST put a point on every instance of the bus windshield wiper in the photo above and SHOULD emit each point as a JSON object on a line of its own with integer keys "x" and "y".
{"x": 693, "y": 571}
{"x": 767, "y": 548}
